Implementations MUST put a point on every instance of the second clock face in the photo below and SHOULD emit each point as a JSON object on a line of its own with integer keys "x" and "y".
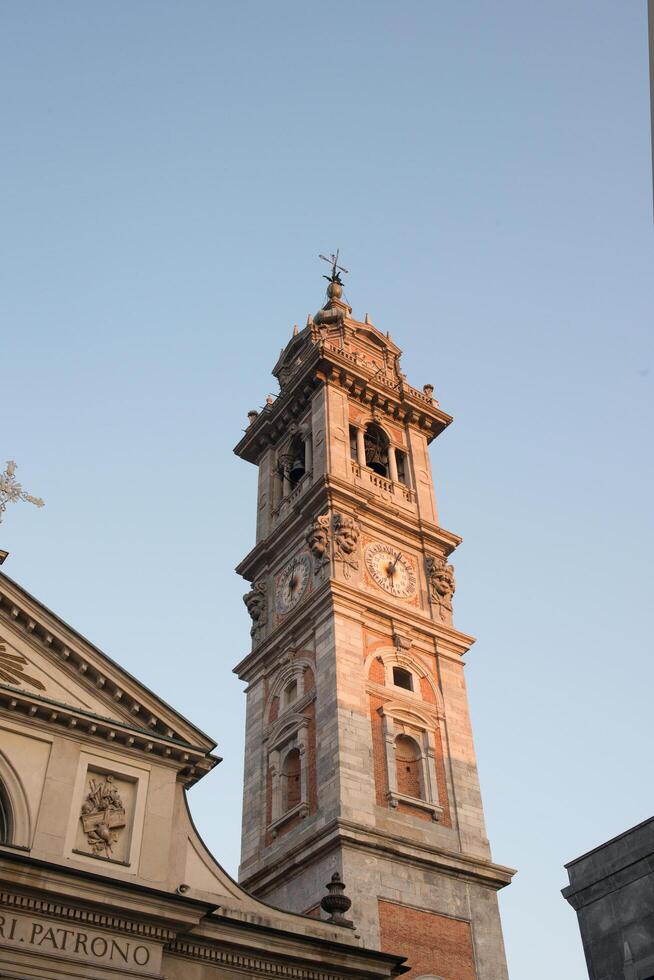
{"x": 292, "y": 583}
{"x": 392, "y": 571}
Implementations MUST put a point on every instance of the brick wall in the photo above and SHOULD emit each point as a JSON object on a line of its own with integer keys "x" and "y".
{"x": 433, "y": 944}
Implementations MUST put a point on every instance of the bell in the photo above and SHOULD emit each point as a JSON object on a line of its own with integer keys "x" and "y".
{"x": 297, "y": 469}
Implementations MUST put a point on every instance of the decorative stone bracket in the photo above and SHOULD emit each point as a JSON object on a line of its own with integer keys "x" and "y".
{"x": 442, "y": 585}
{"x": 255, "y": 601}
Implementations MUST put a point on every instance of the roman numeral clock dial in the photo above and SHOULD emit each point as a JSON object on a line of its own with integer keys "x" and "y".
{"x": 292, "y": 584}
{"x": 391, "y": 570}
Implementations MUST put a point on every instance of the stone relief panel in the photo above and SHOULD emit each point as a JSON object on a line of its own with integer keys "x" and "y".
{"x": 105, "y": 817}
{"x": 442, "y": 586}
{"x": 12, "y": 669}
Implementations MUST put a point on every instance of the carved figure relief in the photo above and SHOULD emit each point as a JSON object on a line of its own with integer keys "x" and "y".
{"x": 102, "y": 815}
{"x": 346, "y": 537}
{"x": 442, "y": 585}
{"x": 12, "y": 669}
{"x": 318, "y": 541}
{"x": 255, "y": 601}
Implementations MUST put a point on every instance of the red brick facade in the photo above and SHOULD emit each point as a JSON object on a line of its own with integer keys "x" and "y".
{"x": 433, "y": 944}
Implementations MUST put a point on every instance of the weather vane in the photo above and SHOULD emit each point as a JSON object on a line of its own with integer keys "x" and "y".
{"x": 11, "y": 490}
{"x": 336, "y": 268}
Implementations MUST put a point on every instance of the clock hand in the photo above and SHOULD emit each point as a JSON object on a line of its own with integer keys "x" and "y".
{"x": 391, "y": 568}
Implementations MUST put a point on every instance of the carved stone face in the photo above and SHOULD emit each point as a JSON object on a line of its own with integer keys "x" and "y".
{"x": 347, "y": 539}
{"x": 256, "y": 603}
{"x": 347, "y": 534}
{"x": 317, "y": 539}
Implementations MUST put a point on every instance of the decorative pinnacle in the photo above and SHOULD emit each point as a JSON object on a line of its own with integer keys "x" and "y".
{"x": 335, "y": 903}
{"x": 11, "y": 490}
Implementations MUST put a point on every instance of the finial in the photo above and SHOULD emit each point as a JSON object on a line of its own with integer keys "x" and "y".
{"x": 335, "y": 288}
{"x": 11, "y": 490}
{"x": 295, "y": 330}
{"x": 269, "y": 399}
{"x": 367, "y": 318}
{"x": 335, "y": 903}
{"x": 309, "y": 320}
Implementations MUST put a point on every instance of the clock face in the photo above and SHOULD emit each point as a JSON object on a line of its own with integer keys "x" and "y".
{"x": 392, "y": 571}
{"x": 292, "y": 583}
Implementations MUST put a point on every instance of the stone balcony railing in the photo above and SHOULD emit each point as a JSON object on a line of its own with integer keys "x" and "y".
{"x": 381, "y": 483}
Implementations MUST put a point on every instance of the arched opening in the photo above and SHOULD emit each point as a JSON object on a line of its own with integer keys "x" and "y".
{"x": 403, "y": 678}
{"x": 376, "y": 447}
{"x": 6, "y": 821}
{"x": 291, "y": 790}
{"x": 407, "y": 765}
{"x": 297, "y": 461}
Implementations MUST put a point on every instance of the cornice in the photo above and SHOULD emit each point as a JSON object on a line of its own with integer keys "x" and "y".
{"x": 96, "y": 897}
{"x": 335, "y": 595}
{"x": 191, "y": 762}
{"x": 330, "y": 492}
{"x": 267, "y": 967}
{"x": 327, "y": 363}
{"x": 87, "y": 917}
{"x": 41, "y": 627}
{"x": 344, "y": 833}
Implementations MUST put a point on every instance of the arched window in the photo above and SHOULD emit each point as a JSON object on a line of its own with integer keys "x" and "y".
{"x": 6, "y": 829}
{"x": 297, "y": 467}
{"x": 376, "y": 446}
{"x": 403, "y": 678}
{"x": 407, "y": 762}
{"x": 291, "y": 774}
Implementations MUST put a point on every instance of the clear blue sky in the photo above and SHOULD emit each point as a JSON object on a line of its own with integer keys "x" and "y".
{"x": 169, "y": 173}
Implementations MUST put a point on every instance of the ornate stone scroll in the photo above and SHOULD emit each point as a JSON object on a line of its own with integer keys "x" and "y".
{"x": 346, "y": 537}
{"x": 318, "y": 541}
{"x": 442, "y": 585}
{"x": 102, "y": 815}
{"x": 255, "y": 600}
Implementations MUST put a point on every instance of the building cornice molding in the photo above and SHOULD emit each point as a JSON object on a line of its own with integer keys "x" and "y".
{"x": 191, "y": 762}
{"x": 326, "y": 363}
{"x": 89, "y": 666}
{"x": 343, "y": 833}
{"x": 264, "y": 966}
{"x": 333, "y": 493}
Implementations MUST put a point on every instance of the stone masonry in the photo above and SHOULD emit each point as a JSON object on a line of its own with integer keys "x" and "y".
{"x": 354, "y": 567}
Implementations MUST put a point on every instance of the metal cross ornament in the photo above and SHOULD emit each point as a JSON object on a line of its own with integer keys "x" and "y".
{"x": 336, "y": 268}
{"x": 11, "y": 490}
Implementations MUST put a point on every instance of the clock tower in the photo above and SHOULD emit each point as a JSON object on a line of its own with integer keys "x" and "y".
{"x": 359, "y": 754}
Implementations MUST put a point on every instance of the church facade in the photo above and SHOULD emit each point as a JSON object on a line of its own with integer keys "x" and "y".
{"x": 359, "y": 749}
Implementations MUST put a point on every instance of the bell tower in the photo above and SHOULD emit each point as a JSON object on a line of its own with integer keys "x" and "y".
{"x": 359, "y": 755}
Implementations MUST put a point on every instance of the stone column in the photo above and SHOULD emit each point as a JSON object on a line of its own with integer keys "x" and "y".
{"x": 392, "y": 464}
{"x": 308, "y": 455}
{"x": 361, "y": 447}
{"x": 286, "y": 462}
